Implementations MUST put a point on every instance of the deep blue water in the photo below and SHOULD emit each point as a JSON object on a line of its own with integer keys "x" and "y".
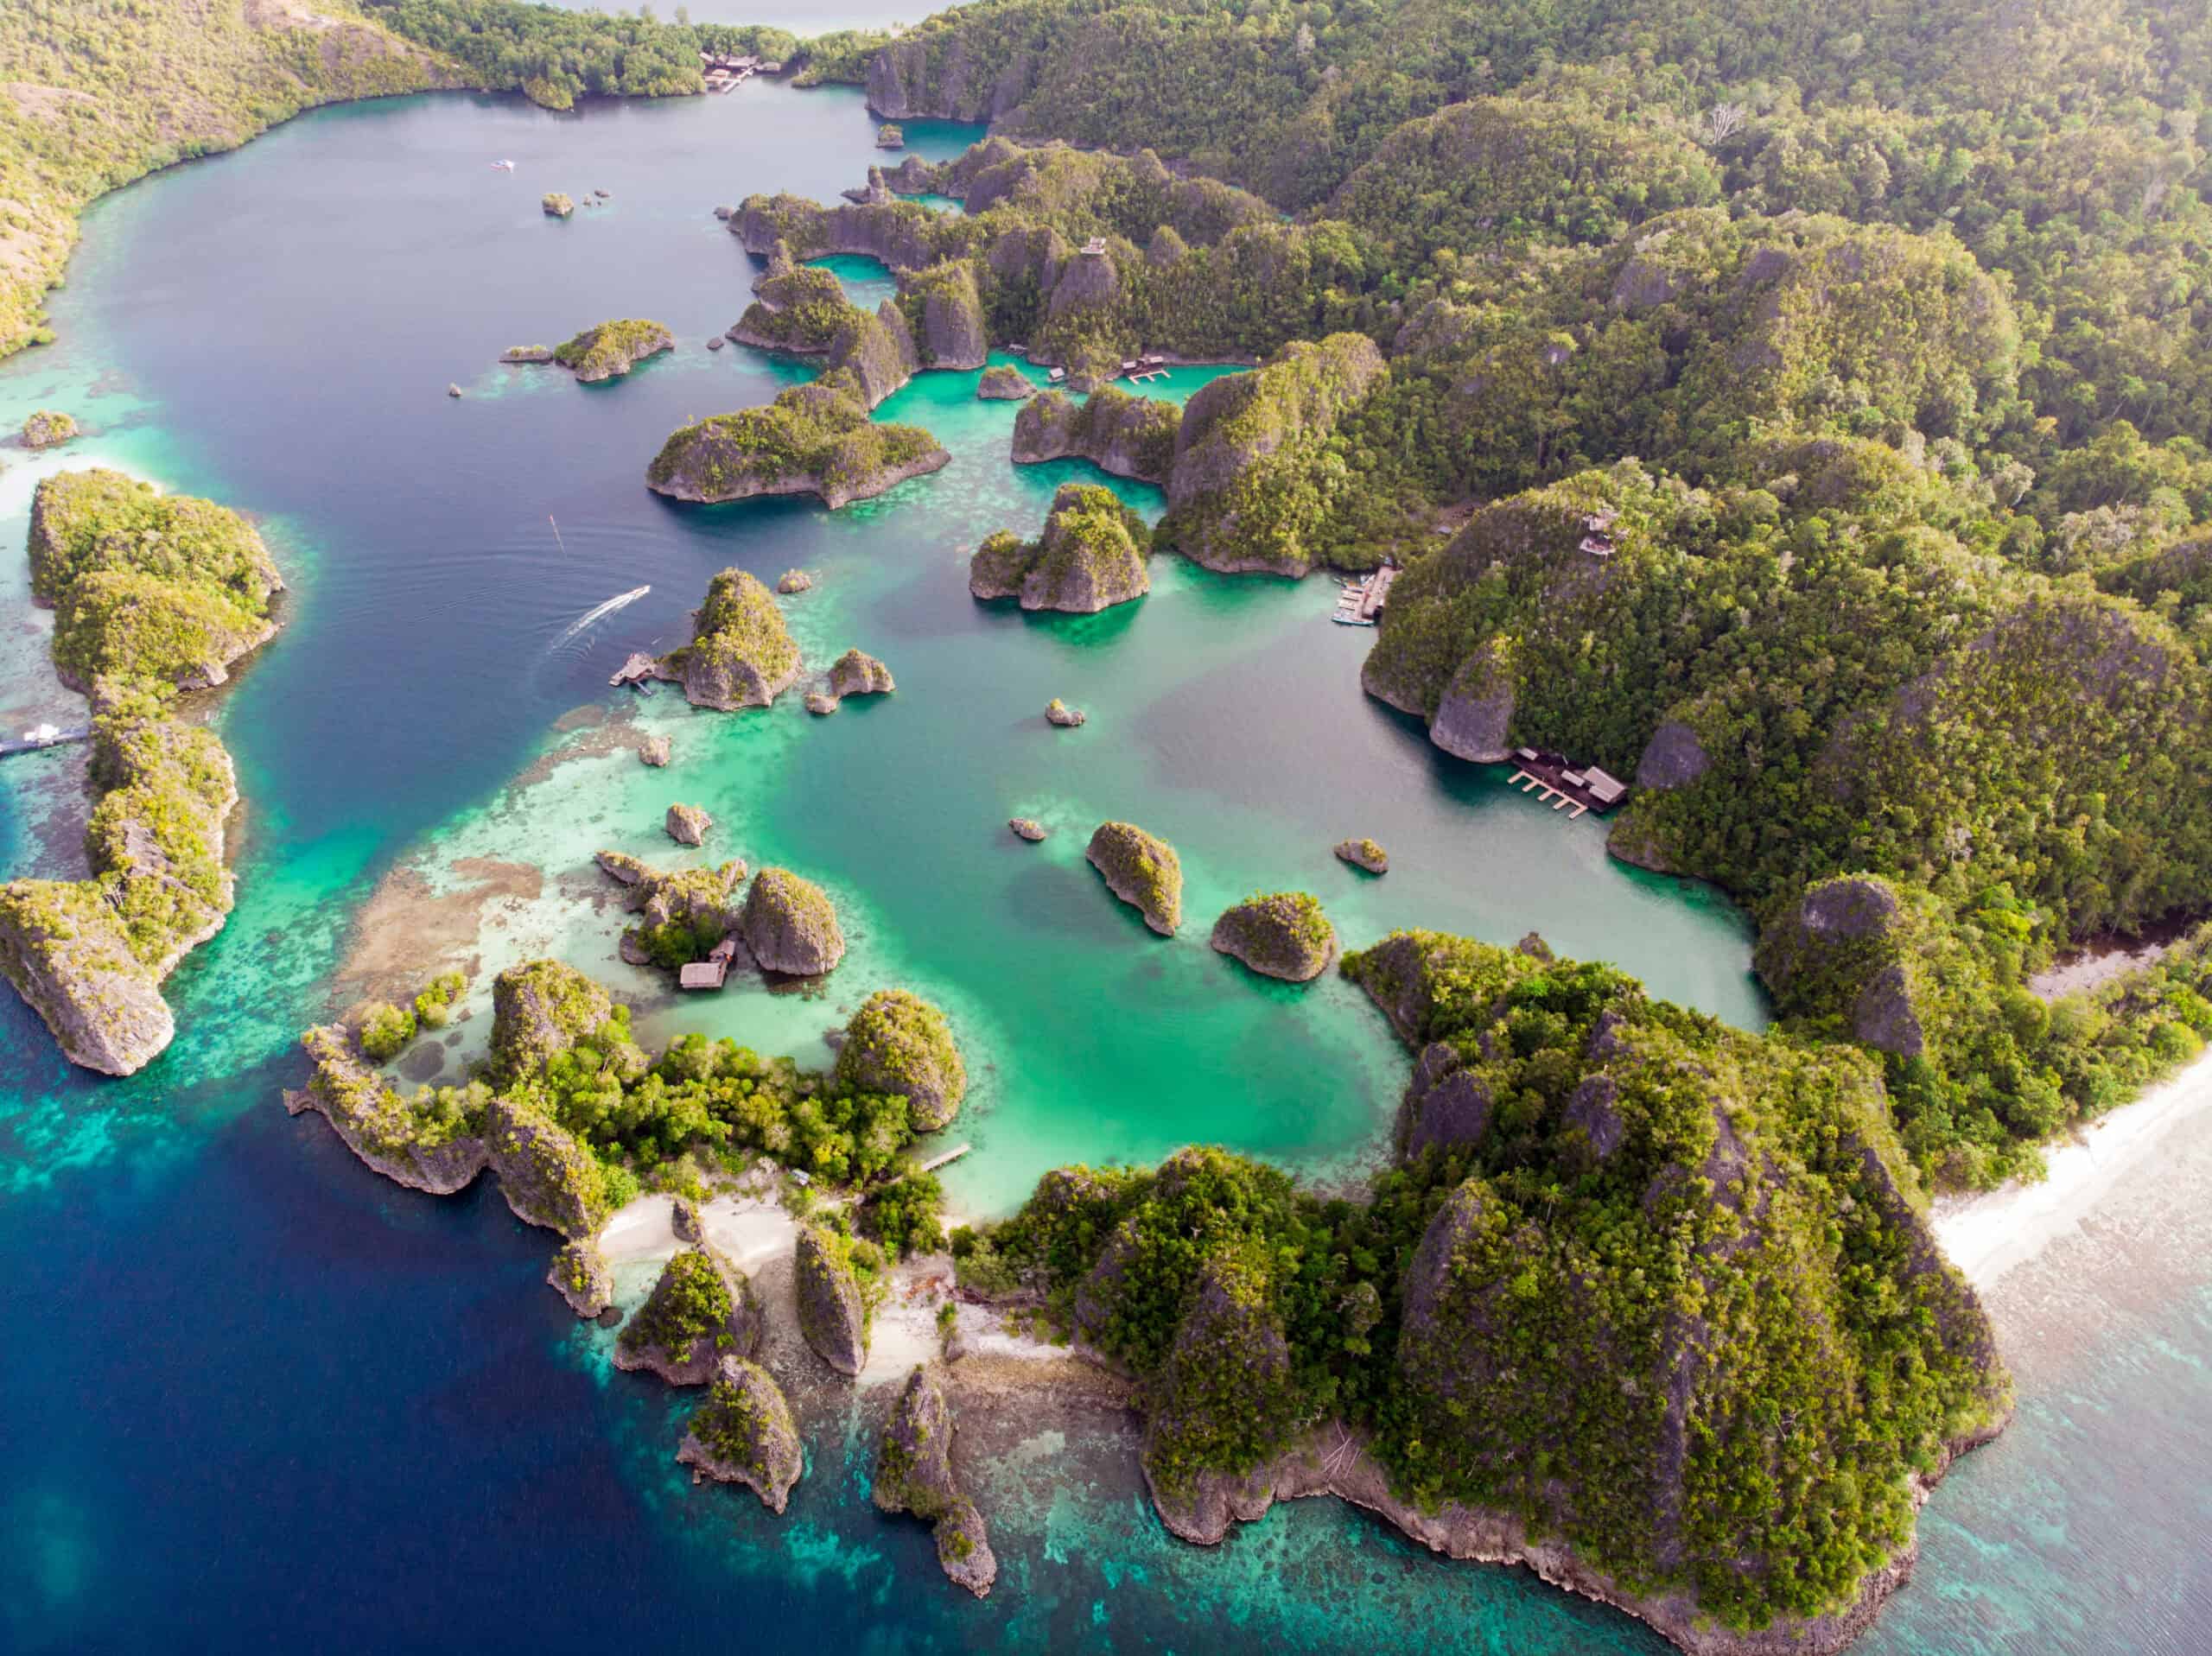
{"x": 258, "y": 1398}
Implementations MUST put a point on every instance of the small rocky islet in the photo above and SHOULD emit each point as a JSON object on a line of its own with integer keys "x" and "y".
{"x": 744, "y": 1433}
{"x": 914, "y": 1473}
{"x": 1142, "y": 871}
{"x": 1284, "y": 934}
{"x": 1090, "y": 556}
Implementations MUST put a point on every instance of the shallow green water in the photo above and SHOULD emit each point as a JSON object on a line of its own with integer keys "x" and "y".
{"x": 347, "y": 1376}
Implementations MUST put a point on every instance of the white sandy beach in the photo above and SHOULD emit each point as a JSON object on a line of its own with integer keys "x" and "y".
{"x": 1987, "y": 1236}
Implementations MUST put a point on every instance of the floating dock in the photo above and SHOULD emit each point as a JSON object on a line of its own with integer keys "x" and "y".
{"x": 1362, "y": 601}
{"x": 1561, "y": 784}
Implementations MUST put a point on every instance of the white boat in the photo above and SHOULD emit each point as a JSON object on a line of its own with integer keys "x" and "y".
{"x": 503, "y": 166}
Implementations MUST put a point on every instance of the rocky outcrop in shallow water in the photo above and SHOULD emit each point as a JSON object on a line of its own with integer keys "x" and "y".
{"x": 744, "y": 1433}
{"x": 702, "y": 1309}
{"x": 579, "y": 1275}
{"x": 814, "y": 439}
{"x": 858, "y": 673}
{"x": 914, "y": 1473}
{"x": 1129, "y": 436}
{"x": 1090, "y": 556}
{"x": 1143, "y": 872}
{"x": 832, "y": 1310}
{"x": 740, "y": 655}
{"x": 791, "y": 925}
{"x": 1284, "y": 936}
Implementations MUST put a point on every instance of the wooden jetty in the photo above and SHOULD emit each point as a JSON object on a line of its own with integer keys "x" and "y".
{"x": 1361, "y": 603}
{"x": 724, "y": 74}
{"x": 639, "y": 673}
{"x": 45, "y": 736}
{"x": 951, "y": 1155}
{"x": 1563, "y": 785}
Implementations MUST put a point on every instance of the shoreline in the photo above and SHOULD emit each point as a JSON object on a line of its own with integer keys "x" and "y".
{"x": 1988, "y": 1234}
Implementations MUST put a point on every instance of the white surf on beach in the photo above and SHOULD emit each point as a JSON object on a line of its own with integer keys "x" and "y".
{"x": 1988, "y": 1236}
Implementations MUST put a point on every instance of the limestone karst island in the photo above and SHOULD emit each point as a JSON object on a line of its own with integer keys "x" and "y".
{"x": 1103, "y": 826}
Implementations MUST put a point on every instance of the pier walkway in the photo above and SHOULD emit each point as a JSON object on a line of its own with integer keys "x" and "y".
{"x": 1555, "y": 779}
{"x": 32, "y": 741}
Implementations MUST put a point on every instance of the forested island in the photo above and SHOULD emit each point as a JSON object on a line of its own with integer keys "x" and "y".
{"x": 1803, "y": 414}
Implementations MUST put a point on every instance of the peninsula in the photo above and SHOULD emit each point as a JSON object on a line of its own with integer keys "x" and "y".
{"x": 154, "y": 596}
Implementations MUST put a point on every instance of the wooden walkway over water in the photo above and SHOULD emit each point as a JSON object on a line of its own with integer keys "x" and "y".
{"x": 1555, "y": 779}
{"x": 35, "y": 744}
{"x": 1361, "y": 603}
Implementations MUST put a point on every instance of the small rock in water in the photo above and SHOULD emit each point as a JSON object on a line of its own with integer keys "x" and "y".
{"x": 688, "y": 824}
{"x": 715, "y": 342}
{"x": 1058, "y": 712}
{"x": 604, "y": 195}
{"x": 794, "y": 580}
{"x": 821, "y": 702}
{"x": 1028, "y": 826}
{"x": 725, "y": 214}
{"x": 1364, "y": 853}
{"x": 654, "y": 750}
{"x": 453, "y": 390}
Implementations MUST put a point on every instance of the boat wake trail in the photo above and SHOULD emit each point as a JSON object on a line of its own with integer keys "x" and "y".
{"x": 597, "y": 613}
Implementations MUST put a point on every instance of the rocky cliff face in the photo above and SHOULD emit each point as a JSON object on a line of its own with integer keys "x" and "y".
{"x": 832, "y": 1313}
{"x": 741, "y": 654}
{"x": 1673, "y": 757}
{"x": 901, "y": 234}
{"x": 540, "y": 1009}
{"x": 702, "y": 1309}
{"x": 579, "y": 1275}
{"x": 1474, "y": 716}
{"x": 907, "y": 82}
{"x": 858, "y": 673}
{"x": 1237, "y": 499}
{"x": 744, "y": 1434}
{"x": 914, "y": 1473}
{"x": 1129, "y": 436}
{"x": 66, "y": 954}
{"x": 813, "y": 439}
{"x": 1143, "y": 872}
{"x": 1283, "y": 935}
{"x": 899, "y": 1042}
{"x": 1090, "y": 556}
{"x": 547, "y": 1177}
{"x": 790, "y": 924}
{"x": 1850, "y": 947}
{"x": 950, "y": 329}
{"x": 434, "y": 1156}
